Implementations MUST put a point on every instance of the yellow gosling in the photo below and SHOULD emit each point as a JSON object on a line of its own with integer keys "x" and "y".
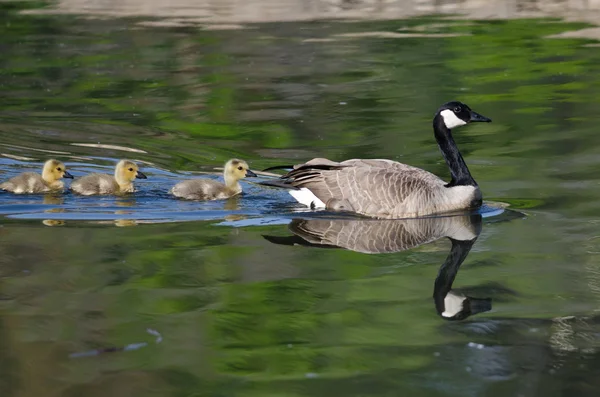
{"x": 30, "y": 182}
{"x": 208, "y": 189}
{"x": 126, "y": 172}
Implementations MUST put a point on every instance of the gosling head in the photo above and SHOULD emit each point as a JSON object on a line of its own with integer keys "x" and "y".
{"x": 236, "y": 169}
{"x": 456, "y": 114}
{"x": 127, "y": 171}
{"x": 55, "y": 170}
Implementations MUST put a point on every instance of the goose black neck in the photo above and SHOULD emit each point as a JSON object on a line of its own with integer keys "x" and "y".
{"x": 458, "y": 168}
{"x": 448, "y": 270}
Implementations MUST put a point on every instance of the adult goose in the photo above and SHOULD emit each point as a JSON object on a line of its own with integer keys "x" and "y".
{"x": 387, "y": 189}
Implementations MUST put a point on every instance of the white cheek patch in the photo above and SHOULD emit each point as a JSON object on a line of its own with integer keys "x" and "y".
{"x": 453, "y": 304}
{"x": 451, "y": 120}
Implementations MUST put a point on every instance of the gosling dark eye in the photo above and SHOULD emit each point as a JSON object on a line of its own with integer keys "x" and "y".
{"x": 131, "y": 169}
{"x": 240, "y": 168}
{"x": 59, "y": 169}
{"x": 457, "y": 109}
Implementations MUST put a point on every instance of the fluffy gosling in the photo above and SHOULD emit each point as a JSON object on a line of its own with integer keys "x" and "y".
{"x": 208, "y": 189}
{"x": 30, "y": 182}
{"x": 126, "y": 172}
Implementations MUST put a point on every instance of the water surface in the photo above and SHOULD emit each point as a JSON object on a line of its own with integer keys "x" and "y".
{"x": 243, "y": 306}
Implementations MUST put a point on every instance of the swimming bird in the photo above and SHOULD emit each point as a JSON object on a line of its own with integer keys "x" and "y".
{"x": 387, "y": 189}
{"x": 30, "y": 182}
{"x": 126, "y": 172}
{"x": 208, "y": 189}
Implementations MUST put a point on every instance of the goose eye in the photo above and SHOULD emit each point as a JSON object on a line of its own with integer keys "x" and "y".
{"x": 59, "y": 169}
{"x": 457, "y": 109}
{"x": 131, "y": 169}
{"x": 240, "y": 168}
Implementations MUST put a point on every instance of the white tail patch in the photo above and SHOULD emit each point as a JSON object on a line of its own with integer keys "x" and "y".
{"x": 451, "y": 120}
{"x": 453, "y": 304}
{"x": 306, "y": 197}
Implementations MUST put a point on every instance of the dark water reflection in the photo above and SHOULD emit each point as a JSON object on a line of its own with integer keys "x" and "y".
{"x": 376, "y": 237}
{"x": 240, "y": 315}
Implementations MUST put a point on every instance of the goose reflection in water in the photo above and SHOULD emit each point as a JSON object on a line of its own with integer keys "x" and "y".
{"x": 388, "y": 236}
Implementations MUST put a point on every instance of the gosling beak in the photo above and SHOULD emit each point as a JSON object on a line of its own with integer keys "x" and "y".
{"x": 477, "y": 117}
{"x": 250, "y": 173}
{"x": 67, "y": 175}
{"x": 139, "y": 175}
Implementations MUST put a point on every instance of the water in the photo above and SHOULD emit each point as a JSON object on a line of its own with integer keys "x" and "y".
{"x": 227, "y": 297}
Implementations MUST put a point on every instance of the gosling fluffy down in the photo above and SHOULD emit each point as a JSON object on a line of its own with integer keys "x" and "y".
{"x": 208, "y": 189}
{"x": 30, "y": 182}
{"x": 126, "y": 172}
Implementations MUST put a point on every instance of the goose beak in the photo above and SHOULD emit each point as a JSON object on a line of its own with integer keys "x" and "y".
{"x": 140, "y": 175}
{"x": 479, "y": 118}
{"x": 250, "y": 173}
{"x": 67, "y": 175}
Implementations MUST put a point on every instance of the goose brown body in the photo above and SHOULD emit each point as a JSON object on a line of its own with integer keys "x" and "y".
{"x": 378, "y": 188}
{"x": 209, "y": 189}
{"x": 31, "y": 182}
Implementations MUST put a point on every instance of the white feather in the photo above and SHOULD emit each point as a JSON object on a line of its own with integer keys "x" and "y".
{"x": 453, "y": 304}
{"x": 451, "y": 120}
{"x": 306, "y": 197}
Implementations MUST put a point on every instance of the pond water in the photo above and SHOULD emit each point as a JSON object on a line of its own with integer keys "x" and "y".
{"x": 238, "y": 297}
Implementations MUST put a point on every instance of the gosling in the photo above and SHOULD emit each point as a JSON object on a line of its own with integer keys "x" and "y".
{"x": 122, "y": 182}
{"x": 208, "y": 189}
{"x": 30, "y": 182}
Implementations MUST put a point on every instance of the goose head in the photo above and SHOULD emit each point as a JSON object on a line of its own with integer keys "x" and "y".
{"x": 54, "y": 170}
{"x": 457, "y": 306}
{"x": 236, "y": 169}
{"x": 126, "y": 172}
{"x": 456, "y": 114}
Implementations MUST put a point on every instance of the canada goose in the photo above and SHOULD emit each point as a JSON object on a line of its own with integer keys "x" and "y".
{"x": 30, "y": 182}
{"x": 387, "y": 189}
{"x": 122, "y": 182}
{"x": 208, "y": 189}
{"x": 387, "y": 236}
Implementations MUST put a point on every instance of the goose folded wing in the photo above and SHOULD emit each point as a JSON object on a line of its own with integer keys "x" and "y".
{"x": 365, "y": 186}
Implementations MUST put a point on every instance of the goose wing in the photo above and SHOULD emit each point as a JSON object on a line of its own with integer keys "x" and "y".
{"x": 373, "y": 187}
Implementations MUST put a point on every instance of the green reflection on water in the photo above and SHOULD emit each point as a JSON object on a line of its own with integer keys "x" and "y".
{"x": 242, "y": 316}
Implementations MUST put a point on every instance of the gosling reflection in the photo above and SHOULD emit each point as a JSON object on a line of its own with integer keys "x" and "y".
{"x": 51, "y": 199}
{"x": 387, "y": 236}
